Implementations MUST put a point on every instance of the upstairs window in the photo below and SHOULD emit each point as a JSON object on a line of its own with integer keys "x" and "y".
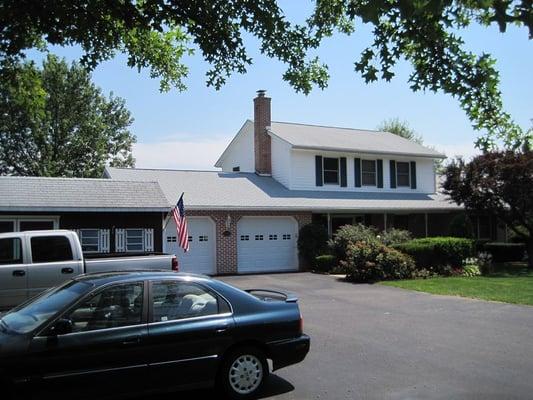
{"x": 403, "y": 174}
{"x": 368, "y": 172}
{"x": 331, "y": 170}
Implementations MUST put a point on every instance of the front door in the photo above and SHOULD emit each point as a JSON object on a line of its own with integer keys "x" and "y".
{"x": 190, "y": 327}
{"x": 13, "y": 273}
{"x": 105, "y": 351}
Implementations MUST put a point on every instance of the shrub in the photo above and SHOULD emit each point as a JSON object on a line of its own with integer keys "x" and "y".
{"x": 312, "y": 241}
{"x": 503, "y": 252}
{"x": 350, "y": 234}
{"x": 372, "y": 262}
{"x": 485, "y": 263}
{"x": 394, "y": 236}
{"x": 325, "y": 263}
{"x": 471, "y": 270}
{"x": 439, "y": 254}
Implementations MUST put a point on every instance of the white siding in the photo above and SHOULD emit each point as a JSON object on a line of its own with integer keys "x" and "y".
{"x": 240, "y": 152}
{"x": 303, "y": 173}
{"x": 281, "y": 161}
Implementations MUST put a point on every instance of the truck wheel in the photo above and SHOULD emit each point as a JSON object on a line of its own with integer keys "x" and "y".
{"x": 243, "y": 373}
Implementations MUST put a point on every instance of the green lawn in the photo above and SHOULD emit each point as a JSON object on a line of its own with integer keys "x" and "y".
{"x": 510, "y": 283}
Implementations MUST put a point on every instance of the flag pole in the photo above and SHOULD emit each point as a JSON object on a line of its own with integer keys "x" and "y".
{"x": 167, "y": 219}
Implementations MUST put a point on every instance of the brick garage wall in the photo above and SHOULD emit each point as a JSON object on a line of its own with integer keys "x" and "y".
{"x": 226, "y": 246}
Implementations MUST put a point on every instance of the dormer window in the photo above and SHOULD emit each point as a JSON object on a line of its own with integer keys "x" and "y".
{"x": 368, "y": 172}
{"x": 331, "y": 170}
{"x": 403, "y": 174}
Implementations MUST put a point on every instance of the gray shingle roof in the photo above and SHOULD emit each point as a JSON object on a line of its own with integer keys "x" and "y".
{"x": 76, "y": 194}
{"x": 350, "y": 140}
{"x": 219, "y": 190}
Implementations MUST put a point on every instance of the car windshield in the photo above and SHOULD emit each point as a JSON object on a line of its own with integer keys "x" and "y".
{"x": 30, "y": 315}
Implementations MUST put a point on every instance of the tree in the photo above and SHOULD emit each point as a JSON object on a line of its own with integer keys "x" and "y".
{"x": 499, "y": 183}
{"x": 400, "y": 128}
{"x": 157, "y": 34}
{"x": 55, "y": 122}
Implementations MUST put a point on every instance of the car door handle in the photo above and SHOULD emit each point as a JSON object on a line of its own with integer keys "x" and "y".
{"x": 67, "y": 270}
{"x": 221, "y": 329}
{"x": 19, "y": 272}
{"x": 131, "y": 342}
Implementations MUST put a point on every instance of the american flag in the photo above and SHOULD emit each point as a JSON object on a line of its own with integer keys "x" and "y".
{"x": 178, "y": 213}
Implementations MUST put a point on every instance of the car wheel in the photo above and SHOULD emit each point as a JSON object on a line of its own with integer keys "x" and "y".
{"x": 243, "y": 373}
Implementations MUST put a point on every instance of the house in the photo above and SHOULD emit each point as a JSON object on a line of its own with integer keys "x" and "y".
{"x": 274, "y": 178}
{"x": 109, "y": 215}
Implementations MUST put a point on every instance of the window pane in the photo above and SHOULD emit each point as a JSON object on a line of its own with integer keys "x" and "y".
{"x": 368, "y": 166}
{"x": 368, "y": 179}
{"x": 50, "y": 249}
{"x": 134, "y": 240}
{"x": 403, "y": 180}
{"x": 7, "y": 226}
{"x": 10, "y": 251}
{"x": 89, "y": 240}
{"x": 331, "y": 177}
{"x": 36, "y": 225}
{"x": 114, "y": 307}
{"x": 331, "y": 164}
{"x": 178, "y": 300}
{"x": 402, "y": 167}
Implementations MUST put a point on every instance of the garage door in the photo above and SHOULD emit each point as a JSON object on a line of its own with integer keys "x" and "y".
{"x": 266, "y": 244}
{"x": 200, "y": 259}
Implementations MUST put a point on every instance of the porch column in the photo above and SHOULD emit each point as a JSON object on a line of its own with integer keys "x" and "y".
{"x": 385, "y": 222}
{"x": 426, "y": 222}
{"x": 330, "y": 233}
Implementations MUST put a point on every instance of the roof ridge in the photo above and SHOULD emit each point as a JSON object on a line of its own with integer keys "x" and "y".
{"x": 330, "y": 126}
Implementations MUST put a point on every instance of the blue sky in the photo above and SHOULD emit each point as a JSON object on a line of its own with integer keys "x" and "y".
{"x": 190, "y": 129}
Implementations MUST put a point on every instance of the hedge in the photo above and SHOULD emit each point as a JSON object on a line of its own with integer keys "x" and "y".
{"x": 503, "y": 252}
{"x": 325, "y": 263}
{"x": 438, "y": 252}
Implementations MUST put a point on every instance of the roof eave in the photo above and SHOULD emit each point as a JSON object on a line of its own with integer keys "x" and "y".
{"x": 18, "y": 209}
{"x": 345, "y": 150}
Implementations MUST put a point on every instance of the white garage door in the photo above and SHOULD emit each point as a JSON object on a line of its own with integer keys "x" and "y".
{"x": 267, "y": 244}
{"x": 200, "y": 259}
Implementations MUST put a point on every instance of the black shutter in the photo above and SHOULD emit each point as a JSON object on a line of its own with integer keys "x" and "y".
{"x": 380, "y": 173}
{"x": 393, "y": 174}
{"x": 413, "y": 175}
{"x": 318, "y": 170}
{"x": 357, "y": 171}
{"x": 344, "y": 180}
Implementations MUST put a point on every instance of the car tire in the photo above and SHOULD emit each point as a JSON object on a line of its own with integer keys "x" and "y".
{"x": 243, "y": 373}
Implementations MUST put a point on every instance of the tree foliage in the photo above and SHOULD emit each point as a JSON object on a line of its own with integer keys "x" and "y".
{"x": 55, "y": 122}
{"x": 499, "y": 183}
{"x": 158, "y": 34}
{"x": 400, "y": 128}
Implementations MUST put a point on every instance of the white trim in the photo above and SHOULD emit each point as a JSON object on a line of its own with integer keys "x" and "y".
{"x": 408, "y": 174}
{"x": 148, "y": 235}
{"x": 16, "y": 219}
{"x": 120, "y": 240}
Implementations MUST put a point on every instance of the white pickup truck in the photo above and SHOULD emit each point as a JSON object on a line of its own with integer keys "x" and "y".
{"x": 33, "y": 261}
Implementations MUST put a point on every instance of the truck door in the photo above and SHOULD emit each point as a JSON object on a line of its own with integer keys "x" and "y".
{"x": 53, "y": 262}
{"x": 13, "y": 272}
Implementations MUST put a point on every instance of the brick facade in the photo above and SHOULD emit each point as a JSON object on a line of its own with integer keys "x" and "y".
{"x": 226, "y": 244}
{"x": 262, "y": 141}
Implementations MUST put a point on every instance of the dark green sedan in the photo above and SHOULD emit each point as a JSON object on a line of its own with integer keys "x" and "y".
{"x": 135, "y": 332}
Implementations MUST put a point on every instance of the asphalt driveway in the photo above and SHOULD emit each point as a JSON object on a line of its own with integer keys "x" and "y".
{"x": 377, "y": 342}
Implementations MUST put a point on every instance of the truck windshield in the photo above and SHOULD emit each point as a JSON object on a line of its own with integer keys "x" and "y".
{"x": 30, "y": 315}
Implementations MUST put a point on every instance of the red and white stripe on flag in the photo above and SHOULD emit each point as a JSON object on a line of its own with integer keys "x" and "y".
{"x": 178, "y": 213}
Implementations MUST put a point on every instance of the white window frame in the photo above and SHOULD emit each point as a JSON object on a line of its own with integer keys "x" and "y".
{"x": 375, "y": 173}
{"x": 331, "y": 170}
{"x": 98, "y": 247}
{"x": 126, "y": 230}
{"x": 408, "y": 174}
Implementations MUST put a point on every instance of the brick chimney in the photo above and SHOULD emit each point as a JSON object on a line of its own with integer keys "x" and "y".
{"x": 262, "y": 147}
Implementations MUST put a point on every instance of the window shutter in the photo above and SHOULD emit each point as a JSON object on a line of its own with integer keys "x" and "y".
{"x": 413, "y": 175}
{"x": 318, "y": 170}
{"x": 103, "y": 238}
{"x": 393, "y": 174}
{"x": 148, "y": 239}
{"x": 380, "y": 172}
{"x": 344, "y": 179}
{"x": 357, "y": 171}
{"x": 120, "y": 240}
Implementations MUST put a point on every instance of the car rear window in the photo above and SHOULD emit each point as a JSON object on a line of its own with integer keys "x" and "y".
{"x": 10, "y": 251}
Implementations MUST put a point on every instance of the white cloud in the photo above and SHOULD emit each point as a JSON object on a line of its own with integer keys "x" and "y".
{"x": 179, "y": 154}
{"x": 465, "y": 150}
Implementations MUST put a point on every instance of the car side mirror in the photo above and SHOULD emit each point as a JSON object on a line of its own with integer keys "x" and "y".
{"x": 62, "y": 327}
